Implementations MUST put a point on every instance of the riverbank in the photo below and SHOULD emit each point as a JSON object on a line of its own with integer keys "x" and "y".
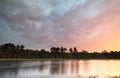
{"x": 49, "y": 59}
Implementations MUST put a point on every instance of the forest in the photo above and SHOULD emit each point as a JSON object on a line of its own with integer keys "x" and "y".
{"x": 12, "y": 51}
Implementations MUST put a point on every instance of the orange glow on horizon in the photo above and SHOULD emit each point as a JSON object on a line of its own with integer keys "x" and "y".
{"x": 106, "y": 38}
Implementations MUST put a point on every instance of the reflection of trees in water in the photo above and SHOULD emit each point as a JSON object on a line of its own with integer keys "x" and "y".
{"x": 9, "y": 69}
{"x": 42, "y": 65}
{"x": 77, "y": 66}
{"x": 63, "y": 67}
{"x": 58, "y": 67}
{"x": 55, "y": 67}
{"x": 74, "y": 66}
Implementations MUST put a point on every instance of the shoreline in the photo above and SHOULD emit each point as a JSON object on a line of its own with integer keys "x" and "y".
{"x": 50, "y": 59}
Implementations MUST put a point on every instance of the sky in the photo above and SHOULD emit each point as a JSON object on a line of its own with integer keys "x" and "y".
{"x": 92, "y": 25}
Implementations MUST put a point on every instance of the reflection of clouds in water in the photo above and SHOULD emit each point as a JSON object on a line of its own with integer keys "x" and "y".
{"x": 60, "y": 69}
{"x": 8, "y": 73}
{"x": 34, "y": 69}
{"x": 8, "y": 69}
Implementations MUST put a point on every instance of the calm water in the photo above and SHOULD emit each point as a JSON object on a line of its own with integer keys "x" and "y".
{"x": 60, "y": 69}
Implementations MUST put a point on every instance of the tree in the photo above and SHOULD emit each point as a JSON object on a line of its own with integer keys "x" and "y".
{"x": 57, "y": 49}
{"x": 105, "y": 51}
{"x": 53, "y": 49}
{"x": 42, "y": 50}
{"x": 22, "y": 47}
{"x": 84, "y": 51}
{"x": 70, "y": 50}
{"x": 75, "y": 49}
{"x": 64, "y": 49}
{"x": 1, "y": 47}
{"x": 18, "y": 47}
{"x": 7, "y": 47}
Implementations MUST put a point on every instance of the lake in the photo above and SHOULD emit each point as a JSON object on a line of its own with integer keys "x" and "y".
{"x": 60, "y": 69}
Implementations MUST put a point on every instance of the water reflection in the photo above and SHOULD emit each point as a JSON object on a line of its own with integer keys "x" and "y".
{"x": 59, "y": 69}
{"x": 74, "y": 67}
{"x": 9, "y": 69}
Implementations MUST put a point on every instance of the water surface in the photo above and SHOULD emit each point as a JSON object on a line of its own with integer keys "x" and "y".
{"x": 60, "y": 69}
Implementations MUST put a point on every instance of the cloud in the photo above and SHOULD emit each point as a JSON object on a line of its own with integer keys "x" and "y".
{"x": 6, "y": 35}
{"x": 46, "y": 23}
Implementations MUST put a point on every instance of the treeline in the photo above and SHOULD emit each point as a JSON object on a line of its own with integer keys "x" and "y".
{"x": 9, "y": 50}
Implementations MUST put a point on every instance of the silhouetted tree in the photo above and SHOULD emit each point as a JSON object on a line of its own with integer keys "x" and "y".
{"x": 84, "y": 51}
{"x": 53, "y": 49}
{"x": 70, "y": 50}
{"x": 57, "y": 49}
{"x": 22, "y": 47}
{"x": 7, "y": 47}
{"x": 42, "y": 50}
{"x": 18, "y": 47}
{"x": 9, "y": 50}
{"x": 64, "y": 49}
{"x": 75, "y": 49}
{"x": 105, "y": 51}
